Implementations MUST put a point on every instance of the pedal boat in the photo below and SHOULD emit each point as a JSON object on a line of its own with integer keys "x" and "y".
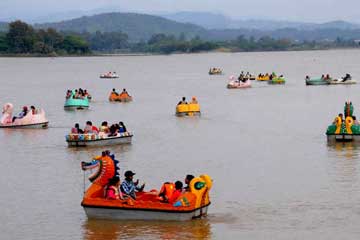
{"x": 190, "y": 109}
{"x": 109, "y": 75}
{"x": 72, "y": 103}
{"x": 30, "y": 120}
{"x": 101, "y": 139}
{"x": 239, "y": 84}
{"x": 344, "y": 131}
{"x": 122, "y": 97}
{"x": 190, "y": 205}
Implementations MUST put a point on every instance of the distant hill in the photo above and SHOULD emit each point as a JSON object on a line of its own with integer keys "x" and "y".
{"x": 219, "y": 21}
{"x": 136, "y": 26}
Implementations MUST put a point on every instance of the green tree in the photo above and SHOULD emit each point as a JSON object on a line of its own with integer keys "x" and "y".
{"x": 75, "y": 45}
{"x": 21, "y": 37}
{"x": 3, "y": 43}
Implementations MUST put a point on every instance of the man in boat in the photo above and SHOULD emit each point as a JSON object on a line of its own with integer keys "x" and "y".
{"x": 129, "y": 187}
{"x": 187, "y": 181}
{"x": 170, "y": 192}
{"x": 76, "y": 129}
{"x": 339, "y": 118}
{"x": 114, "y": 92}
{"x": 89, "y": 128}
{"x": 21, "y": 114}
{"x": 183, "y": 101}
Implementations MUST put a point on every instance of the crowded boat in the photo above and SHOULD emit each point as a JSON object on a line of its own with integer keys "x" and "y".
{"x": 26, "y": 118}
{"x": 124, "y": 96}
{"x": 274, "y": 79}
{"x": 215, "y": 71}
{"x": 108, "y": 197}
{"x": 105, "y": 134}
{"x": 184, "y": 108}
{"x": 109, "y": 75}
{"x": 345, "y": 127}
{"x": 77, "y": 99}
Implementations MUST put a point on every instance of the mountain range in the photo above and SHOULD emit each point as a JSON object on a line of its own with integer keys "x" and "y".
{"x": 208, "y": 26}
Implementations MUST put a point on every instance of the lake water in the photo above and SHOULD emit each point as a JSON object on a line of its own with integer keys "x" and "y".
{"x": 275, "y": 176}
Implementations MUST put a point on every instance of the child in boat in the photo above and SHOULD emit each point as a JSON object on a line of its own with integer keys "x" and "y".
{"x": 188, "y": 179}
{"x": 170, "y": 192}
{"x": 89, "y": 128}
{"x": 21, "y": 114}
{"x": 104, "y": 127}
{"x": 128, "y": 187}
{"x": 112, "y": 189}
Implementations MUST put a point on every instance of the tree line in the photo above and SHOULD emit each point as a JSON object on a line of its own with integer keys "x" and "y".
{"x": 22, "y": 38}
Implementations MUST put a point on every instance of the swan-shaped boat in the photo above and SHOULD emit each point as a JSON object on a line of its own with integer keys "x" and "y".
{"x": 239, "y": 84}
{"x": 189, "y": 205}
{"x": 30, "y": 120}
{"x": 72, "y": 103}
{"x": 344, "y": 131}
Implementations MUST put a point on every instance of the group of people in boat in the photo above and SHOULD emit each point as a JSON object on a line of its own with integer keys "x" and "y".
{"x": 104, "y": 130}
{"x": 79, "y": 94}
{"x": 270, "y": 76}
{"x": 124, "y": 92}
{"x": 128, "y": 188}
{"x": 24, "y": 112}
{"x": 244, "y": 77}
{"x": 340, "y": 117}
{"x": 183, "y": 101}
{"x": 215, "y": 70}
{"x": 109, "y": 74}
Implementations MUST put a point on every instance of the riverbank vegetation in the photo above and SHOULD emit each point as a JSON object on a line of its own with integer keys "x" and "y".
{"x": 23, "y": 39}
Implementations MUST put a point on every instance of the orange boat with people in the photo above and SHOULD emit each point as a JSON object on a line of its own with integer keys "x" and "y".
{"x": 190, "y": 204}
{"x": 122, "y": 97}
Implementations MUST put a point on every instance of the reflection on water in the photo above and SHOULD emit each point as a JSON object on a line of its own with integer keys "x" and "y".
{"x": 109, "y": 230}
{"x": 348, "y": 150}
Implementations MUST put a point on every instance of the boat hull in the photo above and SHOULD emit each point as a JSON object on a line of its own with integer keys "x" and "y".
{"x": 343, "y": 138}
{"x": 73, "y": 108}
{"x": 100, "y": 142}
{"x": 112, "y": 213}
{"x": 27, "y": 126}
{"x": 315, "y": 83}
{"x": 183, "y": 114}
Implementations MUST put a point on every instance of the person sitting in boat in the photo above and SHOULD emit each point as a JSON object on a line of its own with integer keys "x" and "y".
{"x": 86, "y": 94}
{"x": 307, "y": 78}
{"x": 347, "y": 77}
{"x": 122, "y": 128}
{"x": 170, "y": 192}
{"x": 76, "y": 129}
{"x": 194, "y": 101}
{"x": 327, "y": 77}
{"x": 113, "y": 130}
{"x": 89, "y": 128}
{"x": 76, "y": 95}
{"x": 187, "y": 181}
{"x": 128, "y": 187}
{"x": 21, "y": 114}
{"x": 68, "y": 94}
{"x": 339, "y": 118}
{"x": 104, "y": 127}
{"x": 114, "y": 92}
{"x": 112, "y": 189}
{"x": 356, "y": 122}
{"x": 183, "y": 101}
{"x": 33, "y": 110}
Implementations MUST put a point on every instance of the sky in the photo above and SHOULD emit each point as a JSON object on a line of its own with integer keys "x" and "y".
{"x": 290, "y": 10}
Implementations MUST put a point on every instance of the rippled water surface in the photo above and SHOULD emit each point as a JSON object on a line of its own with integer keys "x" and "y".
{"x": 275, "y": 176}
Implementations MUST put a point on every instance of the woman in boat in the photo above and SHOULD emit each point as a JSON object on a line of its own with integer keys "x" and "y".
{"x": 89, "y": 128}
{"x": 104, "y": 127}
{"x": 112, "y": 189}
{"x": 76, "y": 129}
{"x": 21, "y": 114}
{"x": 129, "y": 187}
{"x": 122, "y": 128}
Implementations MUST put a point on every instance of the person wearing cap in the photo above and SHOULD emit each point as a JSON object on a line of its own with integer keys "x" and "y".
{"x": 21, "y": 114}
{"x": 129, "y": 187}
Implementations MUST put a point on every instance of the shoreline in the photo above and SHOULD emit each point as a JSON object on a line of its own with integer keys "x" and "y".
{"x": 221, "y": 50}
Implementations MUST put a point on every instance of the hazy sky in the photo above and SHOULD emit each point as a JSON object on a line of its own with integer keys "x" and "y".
{"x": 296, "y": 10}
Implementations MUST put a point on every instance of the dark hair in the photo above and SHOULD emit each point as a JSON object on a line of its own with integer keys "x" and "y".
{"x": 32, "y": 107}
{"x": 77, "y": 125}
{"x": 104, "y": 123}
{"x": 124, "y": 89}
{"x": 189, "y": 177}
{"x": 183, "y": 98}
{"x": 89, "y": 123}
{"x": 113, "y": 89}
{"x": 178, "y": 185}
{"x": 113, "y": 181}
